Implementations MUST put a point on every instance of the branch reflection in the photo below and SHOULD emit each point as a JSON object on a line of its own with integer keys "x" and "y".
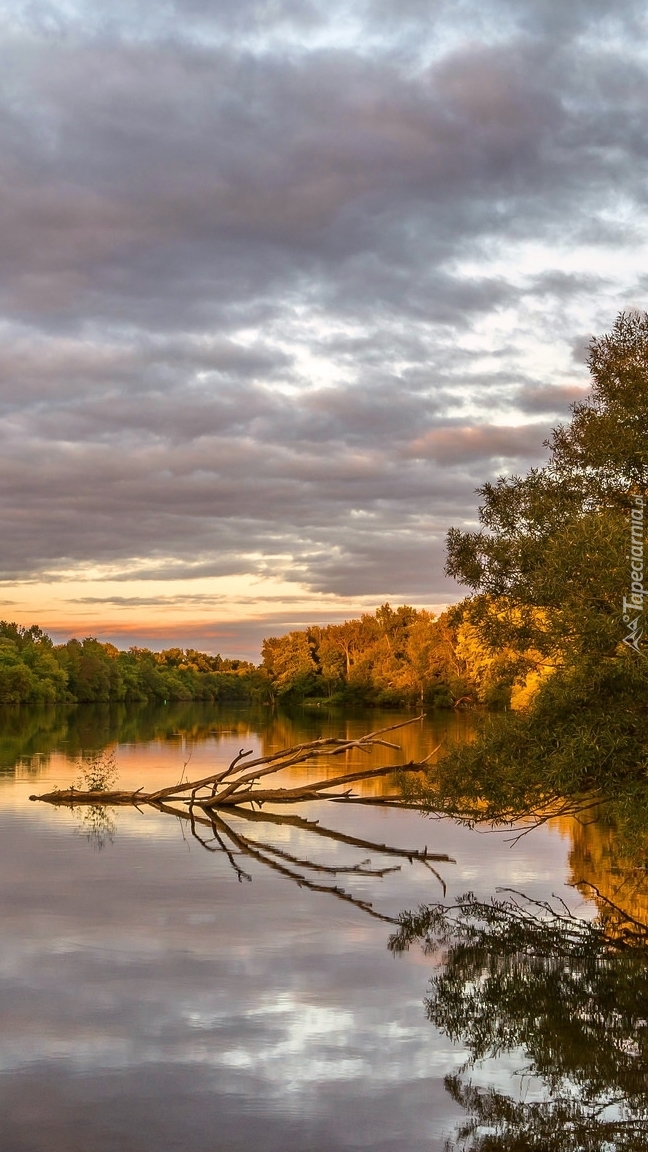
{"x": 228, "y": 838}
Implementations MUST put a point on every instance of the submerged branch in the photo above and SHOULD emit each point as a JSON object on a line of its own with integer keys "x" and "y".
{"x": 238, "y": 783}
{"x": 209, "y": 806}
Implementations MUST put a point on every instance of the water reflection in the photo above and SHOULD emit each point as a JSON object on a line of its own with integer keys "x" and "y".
{"x": 30, "y": 736}
{"x": 150, "y": 1001}
{"x": 217, "y": 805}
{"x": 303, "y": 869}
{"x": 98, "y": 825}
{"x": 609, "y": 866}
{"x": 566, "y": 998}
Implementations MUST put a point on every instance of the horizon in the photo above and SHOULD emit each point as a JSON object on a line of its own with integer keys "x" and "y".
{"x": 250, "y": 633}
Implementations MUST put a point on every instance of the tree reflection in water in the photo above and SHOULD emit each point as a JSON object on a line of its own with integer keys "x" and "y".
{"x": 98, "y": 825}
{"x": 569, "y": 996}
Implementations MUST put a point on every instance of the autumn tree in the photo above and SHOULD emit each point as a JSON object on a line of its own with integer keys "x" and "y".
{"x": 552, "y": 550}
{"x": 550, "y": 566}
{"x": 290, "y": 663}
{"x": 396, "y": 656}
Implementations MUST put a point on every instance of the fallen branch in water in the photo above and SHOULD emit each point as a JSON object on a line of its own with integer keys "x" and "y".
{"x": 238, "y": 784}
{"x": 217, "y": 808}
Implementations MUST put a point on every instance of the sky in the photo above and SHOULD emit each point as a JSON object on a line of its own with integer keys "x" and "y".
{"x": 282, "y": 283}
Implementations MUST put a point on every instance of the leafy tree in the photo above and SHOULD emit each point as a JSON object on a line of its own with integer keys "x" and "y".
{"x": 550, "y": 567}
{"x": 29, "y": 671}
{"x": 393, "y": 657}
{"x": 551, "y": 552}
{"x": 351, "y": 641}
{"x": 92, "y": 671}
{"x": 290, "y": 662}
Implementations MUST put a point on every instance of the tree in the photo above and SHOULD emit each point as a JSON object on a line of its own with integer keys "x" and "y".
{"x": 289, "y": 661}
{"x": 551, "y": 553}
{"x": 33, "y": 670}
{"x": 29, "y": 672}
{"x": 396, "y": 656}
{"x": 93, "y": 673}
{"x": 550, "y": 566}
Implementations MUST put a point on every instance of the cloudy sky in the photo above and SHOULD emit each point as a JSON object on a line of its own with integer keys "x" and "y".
{"x": 282, "y": 282}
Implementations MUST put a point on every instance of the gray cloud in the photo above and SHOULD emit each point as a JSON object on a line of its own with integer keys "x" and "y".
{"x": 481, "y": 442}
{"x": 550, "y": 398}
{"x": 265, "y": 300}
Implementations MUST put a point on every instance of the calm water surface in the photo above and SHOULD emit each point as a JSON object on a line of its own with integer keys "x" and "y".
{"x": 151, "y": 999}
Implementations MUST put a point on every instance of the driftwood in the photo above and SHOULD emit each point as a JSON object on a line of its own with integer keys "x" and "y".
{"x": 210, "y": 804}
{"x": 238, "y": 783}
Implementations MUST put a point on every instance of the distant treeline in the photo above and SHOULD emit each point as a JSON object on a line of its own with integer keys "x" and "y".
{"x": 34, "y": 670}
{"x": 392, "y": 657}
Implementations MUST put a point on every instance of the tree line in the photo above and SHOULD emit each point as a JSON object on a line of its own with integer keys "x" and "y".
{"x": 34, "y": 670}
{"x": 394, "y": 657}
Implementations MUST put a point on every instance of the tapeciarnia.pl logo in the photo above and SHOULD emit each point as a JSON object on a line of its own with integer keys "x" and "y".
{"x": 633, "y": 604}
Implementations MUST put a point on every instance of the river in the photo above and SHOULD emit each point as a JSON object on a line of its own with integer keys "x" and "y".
{"x": 158, "y": 994}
